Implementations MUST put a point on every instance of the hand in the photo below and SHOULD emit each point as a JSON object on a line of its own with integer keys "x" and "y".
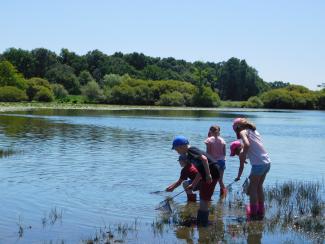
{"x": 237, "y": 179}
{"x": 169, "y": 188}
{"x": 189, "y": 187}
{"x": 208, "y": 178}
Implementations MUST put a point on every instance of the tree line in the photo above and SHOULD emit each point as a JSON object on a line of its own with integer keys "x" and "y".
{"x": 135, "y": 78}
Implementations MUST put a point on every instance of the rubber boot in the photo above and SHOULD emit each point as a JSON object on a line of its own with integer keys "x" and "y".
{"x": 191, "y": 197}
{"x": 202, "y": 218}
{"x": 260, "y": 210}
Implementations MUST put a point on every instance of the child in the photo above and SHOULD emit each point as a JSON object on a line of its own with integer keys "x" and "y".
{"x": 216, "y": 147}
{"x": 188, "y": 171}
{"x": 208, "y": 171}
{"x": 253, "y": 149}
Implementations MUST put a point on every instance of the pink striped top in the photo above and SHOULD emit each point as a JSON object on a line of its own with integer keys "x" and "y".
{"x": 216, "y": 147}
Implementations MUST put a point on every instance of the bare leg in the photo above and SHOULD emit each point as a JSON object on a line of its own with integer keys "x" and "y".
{"x": 253, "y": 185}
{"x": 260, "y": 192}
{"x": 222, "y": 185}
{"x": 186, "y": 184}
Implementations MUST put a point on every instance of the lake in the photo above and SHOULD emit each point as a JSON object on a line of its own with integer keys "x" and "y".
{"x": 78, "y": 172}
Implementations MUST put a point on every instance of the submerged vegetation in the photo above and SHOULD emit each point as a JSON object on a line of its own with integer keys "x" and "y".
{"x": 295, "y": 209}
{"x": 7, "y": 152}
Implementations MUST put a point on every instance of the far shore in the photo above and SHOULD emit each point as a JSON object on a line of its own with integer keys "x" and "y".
{"x": 19, "y": 106}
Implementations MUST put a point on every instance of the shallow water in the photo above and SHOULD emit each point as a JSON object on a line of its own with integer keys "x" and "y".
{"x": 99, "y": 167}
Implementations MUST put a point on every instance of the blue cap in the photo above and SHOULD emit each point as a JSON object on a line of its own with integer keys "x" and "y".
{"x": 182, "y": 157}
{"x": 179, "y": 141}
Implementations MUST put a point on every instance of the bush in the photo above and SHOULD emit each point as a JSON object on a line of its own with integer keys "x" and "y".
{"x": 292, "y": 97}
{"x": 171, "y": 99}
{"x": 44, "y": 95}
{"x": 277, "y": 98}
{"x": 205, "y": 97}
{"x": 122, "y": 94}
{"x": 34, "y": 85}
{"x": 254, "y": 102}
{"x": 59, "y": 91}
{"x": 92, "y": 92}
{"x": 111, "y": 80}
{"x": 12, "y": 94}
{"x": 321, "y": 101}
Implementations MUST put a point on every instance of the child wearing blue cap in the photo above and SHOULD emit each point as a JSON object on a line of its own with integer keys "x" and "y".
{"x": 208, "y": 170}
{"x": 188, "y": 172}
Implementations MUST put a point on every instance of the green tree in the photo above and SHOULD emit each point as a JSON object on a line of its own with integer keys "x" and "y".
{"x": 85, "y": 77}
{"x": 64, "y": 74}
{"x": 23, "y": 60}
{"x": 137, "y": 60}
{"x": 43, "y": 60}
{"x": 9, "y": 76}
{"x": 238, "y": 81}
{"x": 321, "y": 101}
{"x": 278, "y": 84}
{"x": 78, "y": 63}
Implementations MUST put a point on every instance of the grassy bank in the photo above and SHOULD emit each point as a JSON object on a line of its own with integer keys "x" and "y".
{"x": 24, "y": 106}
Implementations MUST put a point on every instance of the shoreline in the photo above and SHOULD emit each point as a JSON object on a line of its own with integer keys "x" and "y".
{"x": 13, "y": 106}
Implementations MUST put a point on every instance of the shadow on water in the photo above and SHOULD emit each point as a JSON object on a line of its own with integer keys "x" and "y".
{"x": 193, "y": 113}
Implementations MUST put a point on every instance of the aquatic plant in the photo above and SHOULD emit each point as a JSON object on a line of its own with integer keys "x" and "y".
{"x": 53, "y": 216}
{"x": 6, "y": 152}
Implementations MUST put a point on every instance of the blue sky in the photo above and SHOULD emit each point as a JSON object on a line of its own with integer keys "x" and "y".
{"x": 283, "y": 40}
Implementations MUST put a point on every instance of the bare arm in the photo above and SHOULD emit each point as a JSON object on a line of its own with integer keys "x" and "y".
{"x": 240, "y": 170}
{"x": 205, "y": 163}
{"x": 174, "y": 185}
{"x": 195, "y": 181}
{"x": 243, "y": 153}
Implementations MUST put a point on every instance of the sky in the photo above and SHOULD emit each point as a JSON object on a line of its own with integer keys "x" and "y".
{"x": 284, "y": 40}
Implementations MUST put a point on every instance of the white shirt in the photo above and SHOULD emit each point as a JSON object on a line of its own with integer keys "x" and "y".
{"x": 256, "y": 153}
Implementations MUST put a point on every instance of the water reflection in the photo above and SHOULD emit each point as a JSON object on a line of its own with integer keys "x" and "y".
{"x": 100, "y": 167}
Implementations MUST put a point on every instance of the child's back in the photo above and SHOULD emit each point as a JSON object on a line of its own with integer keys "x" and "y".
{"x": 216, "y": 147}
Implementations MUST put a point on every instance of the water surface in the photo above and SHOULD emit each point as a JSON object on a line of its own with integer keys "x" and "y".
{"x": 99, "y": 167}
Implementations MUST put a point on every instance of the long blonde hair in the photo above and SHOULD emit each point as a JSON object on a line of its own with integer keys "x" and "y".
{"x": 242, "y": 124}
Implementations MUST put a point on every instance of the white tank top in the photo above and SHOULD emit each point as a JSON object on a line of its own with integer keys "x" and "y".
{"x": 256, "y": 153}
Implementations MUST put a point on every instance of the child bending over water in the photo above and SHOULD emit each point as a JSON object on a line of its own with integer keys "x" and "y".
{"x": 208, "y": 171}
{"x": 188, "y": 172}
{"x": 253, "y": 149}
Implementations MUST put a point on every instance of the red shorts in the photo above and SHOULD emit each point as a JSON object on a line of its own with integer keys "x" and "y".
{"x": 207, "y": 189}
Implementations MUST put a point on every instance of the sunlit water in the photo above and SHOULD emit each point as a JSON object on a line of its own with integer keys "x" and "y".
{"x": 99, "y": 167}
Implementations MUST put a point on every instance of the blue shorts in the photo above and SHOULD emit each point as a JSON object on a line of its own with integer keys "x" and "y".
{"x": 221, "y": 164}
{"x": 259, "y": 170}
